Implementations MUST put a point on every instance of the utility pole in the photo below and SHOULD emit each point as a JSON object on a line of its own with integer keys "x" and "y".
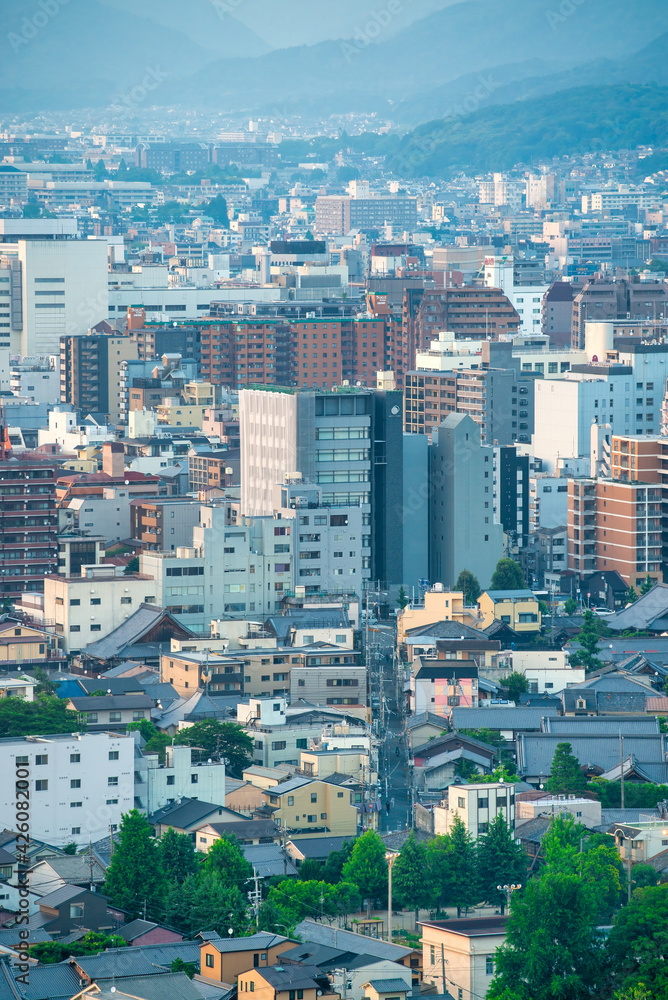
{"x": 390, "y": 857}
{"x": 621, "y": 767}
{"x": 90, "y": 865}
{"x": 443, "y": 967}
{"x": 254, "y": 896}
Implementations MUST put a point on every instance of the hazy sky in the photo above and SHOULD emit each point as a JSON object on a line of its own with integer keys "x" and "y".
{"x": 287, "y": 22}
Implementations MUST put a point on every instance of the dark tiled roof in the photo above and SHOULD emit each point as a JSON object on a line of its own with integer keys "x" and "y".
{"x": 111, "y": 702}
{"x": 62, "y": 895}
{"x": 132, "y": 631}
{"x": 318, "y": 847}
{"x": 188, "y": 812}
{"x": 522, "y": 718}
{"x": 389, "y": 985}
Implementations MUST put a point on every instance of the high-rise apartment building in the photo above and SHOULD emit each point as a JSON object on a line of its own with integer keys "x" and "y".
{"x": 348, "y": 442}
{"x": 602, "y": 300}
{"x": 58, "y": 285}
{"x": 338, "y": 214}
{"x": 28, "y": 524}
{"x": 463, "y": 532}
{"x": 470, "y": 313}
{"x": 91, "y": 372}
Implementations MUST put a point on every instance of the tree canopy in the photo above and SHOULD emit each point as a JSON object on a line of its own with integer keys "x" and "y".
{"x": 508, "y": 575}
{"x": 135, "y": 880}
{"x": 366, "y": 868}
{"x": 468, "y": 585}
{"x": 220, "y": 740}
{"x": 46, "y": 714}
{"x": 566, "y": 776}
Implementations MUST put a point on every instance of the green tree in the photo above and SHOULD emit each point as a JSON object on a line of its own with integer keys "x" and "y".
{"x": 333, "y": 867}
{"x": 508, "y": 575}
{"x": 402, "y": 598}
{"x": 220, "y": 740}
{"x": 177, "y": 855}
{"x": 501, "y": 861}
{"x": 132, "y": 566}
{"x": 439, "y": 869}
{"x": 647, "y": 585}
{"x": 638, "y": 942}
{"x": 410, "y": 889}
{"x": 643, "y": 875}
{"x": 467, "y": 584}
{"x": 631, "y": 595}
{"x": 204, "y": 903}
{"x": 92, "y": 943}
{"x": 217, "y": 209}
{"x": 225, "y": 859}
{"x": 178, "y": 965}
{"x": 135, "y": 876}
{"x": 70, "y": 848}
{"x": 464, "y": 890}
{"x": 346, "y": 898}
{"x": 155, "y": 741}
{"x": 552, "y": 949}
{"x": 588, "y": 638}
{"x": 311, "y": 870}
{"x": 570, "y": 606}
{"x": 31, "y": 211}
{"x": 515, "y": 684}
{"x": 46, "y": 714}
{"x": 566, "y": 776}
{"x": 367, "y": 868}
{"x": 171, "y": 211}
{"x": 45, "y": 684}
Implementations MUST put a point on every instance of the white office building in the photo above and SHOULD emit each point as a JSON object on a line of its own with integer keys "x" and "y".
{"x": 79, "y": 784}
{"x": 182, "y": 775}
{"x": 57, "y": 286}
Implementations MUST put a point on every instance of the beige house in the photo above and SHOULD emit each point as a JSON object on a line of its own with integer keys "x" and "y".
{"x": 439, "y": 606}
{"x": 308, "y": 807}
{"x": 223, "y": 961}
{"x": 518, "y": 609}
{"x": 386, "y": 989}
{"x": 325, "y": 763}
{"x": 242, "y": 796}
{"x": 458, "y": 955}
{"x": 289, "y": 982}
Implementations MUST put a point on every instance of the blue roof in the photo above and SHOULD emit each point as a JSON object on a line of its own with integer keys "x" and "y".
{"x": 511, "y": 595}
{"x": 69, "y": 689}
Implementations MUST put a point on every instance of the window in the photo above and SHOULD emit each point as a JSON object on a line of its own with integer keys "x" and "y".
{"x": 278, "y": 745}
{"x": 113, "y": 755}
{"x": 22, "y": 760}
{"x": 76, "y": 805}
{"x": 461, "y": 802}
{"x": 42, "y": 785}
{"x": 112, "y": 802}
{"x": 76, "y": 830}
{"x": 209, "y": 961}
{"x": 126, "y": 600}
{"x": 252, "y": 986}
{"x": 314, "y": 796}
{"x": 91, "y": 716}
{"x": 291, "y": 800}
{"x": 489, "y": 965}
{"x": 42, "y": 758}
{"x": 312, "y": 819}
{"x": 76, "y": 910}
{"x": 75, "y": 783}
{"x": 114, "y": 717}
{"x": 171, "y": 779}
{"x": 194, "y": 778}
{"x": 75, "y": 758}
{"x": 112, "y": 780}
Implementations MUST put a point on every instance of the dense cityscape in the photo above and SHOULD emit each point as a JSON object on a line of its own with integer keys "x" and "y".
{"x": 334, "y": 500}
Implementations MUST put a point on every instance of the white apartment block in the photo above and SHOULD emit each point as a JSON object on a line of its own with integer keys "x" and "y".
{"x": 57, "y": 287}
{"x": 248, "y": 560}
{"x": 477, "y": 806}
{"x": 332, "y": 545}
{"x": 158, "y": 785}
{"x": 107, "y": 515}
{"x": 37, "y": 379}
{"x": 79, "y": 784}
{"x": 548, "y": 501}
{"x": 179, "y": 584}
{"x": 86, "y": 608}
{"x": 527, "y": 299}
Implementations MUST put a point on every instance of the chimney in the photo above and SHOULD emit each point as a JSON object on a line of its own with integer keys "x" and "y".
{"x": 136, "y": 318}
{"x": 113, "y": 459}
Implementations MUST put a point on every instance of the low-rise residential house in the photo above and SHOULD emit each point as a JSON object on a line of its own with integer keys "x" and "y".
{"x": 439, "y": 605}
{"x": 70, "y": 907}
{"x": 309, "y": 807}
{"x": 517, "y": 608}
{"x": 144, "y": 637}
{"x": 142, "y": 932}
{"x": 68, "y": 871}
{"x": 530, "y": 805}
{"x": 250, "y": 833}
{"x": 111, "y": 712}
{"x": 359, "y": 982}
{"x": 188, "y": 815}
{"x": 476, "y": 805}
{"x": 458, "y": 955}
{"x": 225, "y": 960}
{"x": 331, "y": 684}
{"x": 391, "y": 988}
{"x": 546, "y": 671}
{"x": 26, "y": 646}
{"x": 277, "y": 982}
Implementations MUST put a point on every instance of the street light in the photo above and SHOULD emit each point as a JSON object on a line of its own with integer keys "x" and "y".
{"x": 390, "y": 857}
{"x": 509, "y": 890}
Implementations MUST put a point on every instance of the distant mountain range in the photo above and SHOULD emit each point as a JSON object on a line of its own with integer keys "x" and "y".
{"x": 460, "y": 62}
